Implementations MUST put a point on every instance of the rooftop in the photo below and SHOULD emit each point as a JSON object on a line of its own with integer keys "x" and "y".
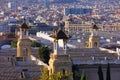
{"x": 24, "y": 26}
{"x": 11, "y": 67}
{"x": 59, "y": 35}
{"x": 93, "y": 56}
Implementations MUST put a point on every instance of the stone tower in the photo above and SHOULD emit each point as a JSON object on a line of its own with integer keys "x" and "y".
{"x": 23, "y": 44}
{"x": 59, "y": 60}
{"x": 67, "y": 23}
{"x": 93, "y": 40}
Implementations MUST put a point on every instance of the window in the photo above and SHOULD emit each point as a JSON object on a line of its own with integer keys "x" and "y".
{"x": 95, "y": 44}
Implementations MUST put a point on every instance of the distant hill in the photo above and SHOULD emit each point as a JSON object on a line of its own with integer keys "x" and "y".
{"x": 64, "y": 1}
{"x": 89, "y": 2}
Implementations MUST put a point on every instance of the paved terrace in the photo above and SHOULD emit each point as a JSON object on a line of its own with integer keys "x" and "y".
{"x": 93, "y": 56}
{"x": 13, "y": 69}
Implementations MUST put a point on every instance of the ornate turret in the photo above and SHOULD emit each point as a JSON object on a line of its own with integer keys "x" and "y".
{"x": 59, "y": 35}
{"x": 94, "y": 40}
{"x": 23, "y": 31}
{"x": 94, "y": 27}
{"x": 59, "y": 60}
{"x": 24, "y": 44}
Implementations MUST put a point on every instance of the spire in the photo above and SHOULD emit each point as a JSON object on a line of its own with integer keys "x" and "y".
{"x": 94, "y": 27}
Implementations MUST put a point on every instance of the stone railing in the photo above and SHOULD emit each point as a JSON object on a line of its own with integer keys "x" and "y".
{"x": 37, "y": 61}
{"x": 97, "y": 62}
{"x": 108, "y": 50}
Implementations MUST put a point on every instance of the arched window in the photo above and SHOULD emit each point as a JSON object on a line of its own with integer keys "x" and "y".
{"x": 51, "y": 71}
{"x": 25, "y": 51}
{"x": 25, "y": 32}
{"x": 95, "y": 44}
{"x": 63, "y": 71}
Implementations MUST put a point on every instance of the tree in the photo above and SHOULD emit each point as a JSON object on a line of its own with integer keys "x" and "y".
{"x": 55, "y": 76}
{"x": 75, "y": 70}
{"x": 45, "y": 74}
{"x": 35, "y": 44}
{"x": 86, "y": 44}
{"x": 100, "y": 73}
{"x": 44, "y": 54}
{"x": 64, "y": 75}
{"x": 108, "y": 77}
{"x": 14, "y": 44}
{"x": 11, "y": 35}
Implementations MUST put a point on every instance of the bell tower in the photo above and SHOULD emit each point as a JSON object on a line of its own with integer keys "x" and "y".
{"x": 59, "y": 59}
{"x": 94, "y": 40}
{"x": 23, "y": 44}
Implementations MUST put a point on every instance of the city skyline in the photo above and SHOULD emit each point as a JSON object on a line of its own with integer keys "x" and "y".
{"x": 72, "y": 39}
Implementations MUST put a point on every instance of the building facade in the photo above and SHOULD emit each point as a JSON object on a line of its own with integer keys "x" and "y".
{"x": 77, "y": 27}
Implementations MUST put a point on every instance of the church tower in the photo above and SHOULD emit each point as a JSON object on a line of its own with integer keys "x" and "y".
{"x": 59, "y": 59}
{"x": 23, "y": 44}
{"x": 94, "y": 40}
